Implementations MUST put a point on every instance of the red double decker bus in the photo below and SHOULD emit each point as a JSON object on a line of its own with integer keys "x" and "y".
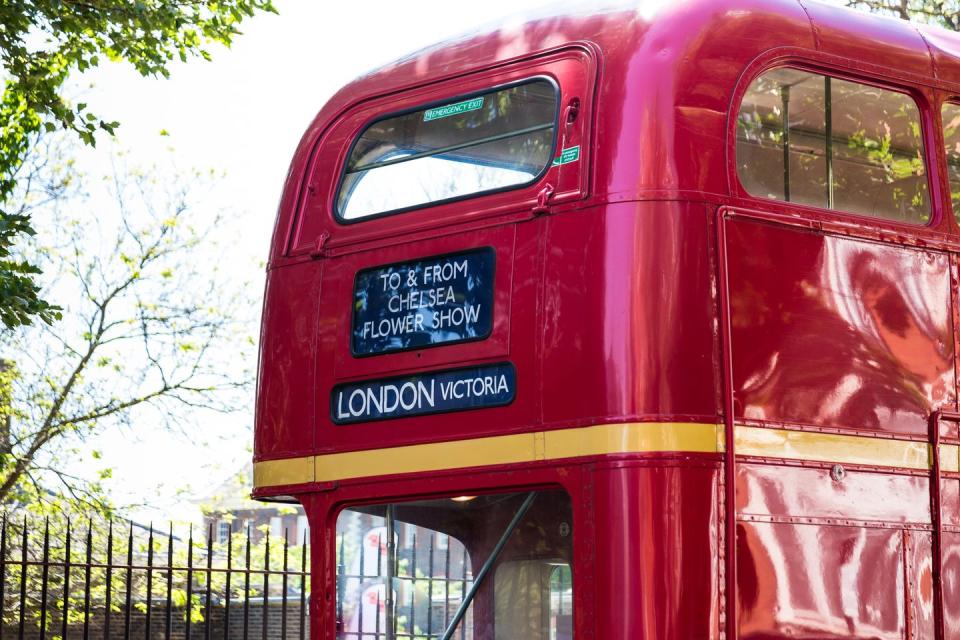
{"x": 627, "y": 323}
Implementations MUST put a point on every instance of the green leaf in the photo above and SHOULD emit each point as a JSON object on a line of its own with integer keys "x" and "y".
{"x": 146, "y": 34}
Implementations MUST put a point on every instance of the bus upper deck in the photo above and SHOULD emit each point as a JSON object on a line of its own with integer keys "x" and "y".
{"x": 651, "y": 106}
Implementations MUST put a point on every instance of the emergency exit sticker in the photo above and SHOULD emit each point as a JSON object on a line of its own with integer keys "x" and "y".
{"x": 453, "y": 109}
{"x": 570, "y": 154}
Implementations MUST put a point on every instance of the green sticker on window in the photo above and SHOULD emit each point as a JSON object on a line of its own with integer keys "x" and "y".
{"x": 570, "y": 154}
{"x": 453, "y": 109}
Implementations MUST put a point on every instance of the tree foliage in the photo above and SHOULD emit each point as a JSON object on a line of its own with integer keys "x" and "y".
{"x": 148, "y": 323}
{"x": 43, "y": 42}
{"x": 945, "y": 13}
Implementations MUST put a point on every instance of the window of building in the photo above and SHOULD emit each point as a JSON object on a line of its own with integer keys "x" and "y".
{"x": 561, "y": 602}
{"x": 529, "y": 582}
{"x": 826, "y": 142}
{"x": 223, "y": 531}
{"x": 951, "y": 140}
{"x": 276, "y": 526}
{"x": 303, "y": 530}
{"x": 410, "y": 534}
{"x": 470, "y": 145}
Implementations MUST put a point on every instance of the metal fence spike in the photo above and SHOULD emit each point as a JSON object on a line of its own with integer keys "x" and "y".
{"x": 108, "y": 583}
{"x": 168, "y": 606}
{"x": 65, "y": 607}
{"x": 23, "y": 582}
{"x": 44, "y": 579}
{"x": 207, "y": 615}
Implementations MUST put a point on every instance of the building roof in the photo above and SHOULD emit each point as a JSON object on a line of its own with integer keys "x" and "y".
{"x": 233, "y": 494}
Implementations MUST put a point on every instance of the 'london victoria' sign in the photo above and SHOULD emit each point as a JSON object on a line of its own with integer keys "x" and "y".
{"x": 438, "y": 300}
{"x": 421, "y": 394}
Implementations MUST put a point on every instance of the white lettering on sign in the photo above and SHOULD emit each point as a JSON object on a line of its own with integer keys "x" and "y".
{"x": 413, "y": 301}
{"x": 473, "y": 387}
{"x": 414, "y": 396}
{"x": 425, "y": 302}
{"x": 418, "y": 299}
{"x": 414, "y": 322}
{"x": 371, "y": 401}
{"x": 432, "y": 274}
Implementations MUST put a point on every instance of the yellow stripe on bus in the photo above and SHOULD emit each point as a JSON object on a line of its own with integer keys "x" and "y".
{"x": 950, "y": 458}
{"x": 630, "y": 437}
{"x": 831, "y": 447}
{"x": 286, "y": 471}
{"x": 604, "y": 439}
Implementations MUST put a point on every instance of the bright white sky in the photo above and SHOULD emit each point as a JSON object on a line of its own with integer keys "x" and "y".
{"x": 244, "y": 114}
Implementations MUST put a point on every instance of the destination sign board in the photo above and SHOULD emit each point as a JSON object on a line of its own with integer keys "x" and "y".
{"x": 425, "y": 393}
{"x": 433, "y": 301}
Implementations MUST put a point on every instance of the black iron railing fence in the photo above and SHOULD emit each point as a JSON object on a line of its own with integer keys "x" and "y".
{"x": 103, "y": 581}
{"x": 56, "y": 584}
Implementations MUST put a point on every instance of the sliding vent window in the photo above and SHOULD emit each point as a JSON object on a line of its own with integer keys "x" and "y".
{"x": 825, "y": 142}
{"x": 473, "y": 145}
{"x": 493, "y": 567}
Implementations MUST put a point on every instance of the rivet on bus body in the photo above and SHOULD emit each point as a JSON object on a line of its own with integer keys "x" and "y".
{"x": 837, "y": 472}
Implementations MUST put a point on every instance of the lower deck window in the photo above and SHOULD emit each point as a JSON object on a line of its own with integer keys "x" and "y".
{"x": 495, "y": 567}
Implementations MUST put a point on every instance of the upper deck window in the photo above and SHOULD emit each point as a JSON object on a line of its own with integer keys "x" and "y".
{"x": 951, "y": 140}
{"x": 467, "y": 146}
{"x": 821, "y": 141}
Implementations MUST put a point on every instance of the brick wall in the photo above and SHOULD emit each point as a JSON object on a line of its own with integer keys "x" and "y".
{"x": 178, "y": 631}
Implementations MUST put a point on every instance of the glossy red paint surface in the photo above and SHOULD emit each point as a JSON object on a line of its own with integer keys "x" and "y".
{"x": 656, "y": 566}
{"x": 285, "y": 386}
{"x": 821, "y": 558}
{"x": 609, "y": 306}
{"x": 820, "y": 582}
{"x": 841, "y": 333}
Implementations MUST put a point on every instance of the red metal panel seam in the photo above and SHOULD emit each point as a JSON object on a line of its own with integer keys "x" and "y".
{"x": 955, "y": 321}
{"x": 730, "y": 489}
{"x": 907, "y": 565}
{"x": 936, "y": 548}
{"x": 933, "y": 59}
{"x": 814, "y": 30}
{"x": 543, "y": 229}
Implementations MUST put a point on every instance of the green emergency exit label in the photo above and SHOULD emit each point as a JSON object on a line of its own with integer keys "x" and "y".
{"x": 453, "y": 109}
{"x": 570, "y": 154}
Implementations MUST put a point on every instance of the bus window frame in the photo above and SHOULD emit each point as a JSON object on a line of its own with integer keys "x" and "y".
{"x": 451, "y": 483}
{"x": 558, "y": 95}
{"x": 917, "y": 88}
{"x": 944, "y": 98}
{"x": 575, "y": 67}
